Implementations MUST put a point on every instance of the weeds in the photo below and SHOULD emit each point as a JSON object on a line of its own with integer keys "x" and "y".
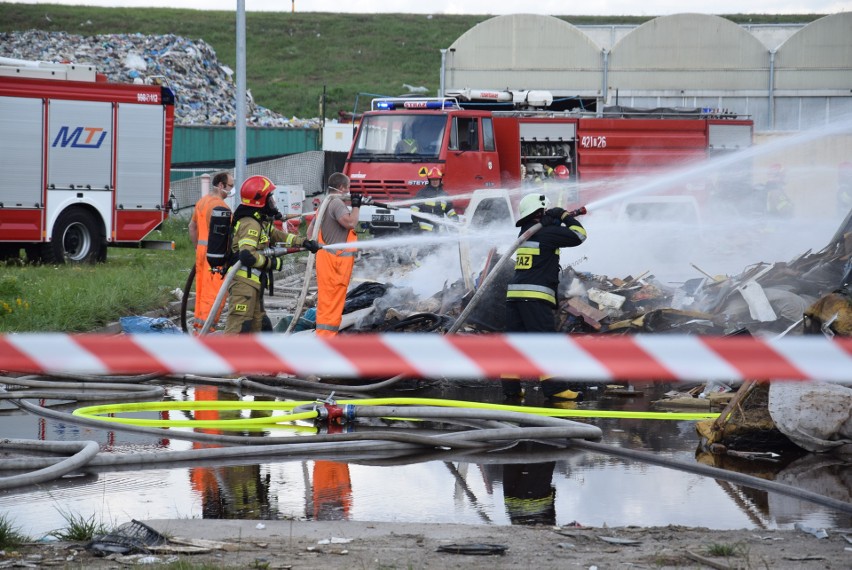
{"x": 10, "y": 535}
{"x": 725, "y": 550}
{"x": 79, "y": 528}
{"x": 80, "y": 298}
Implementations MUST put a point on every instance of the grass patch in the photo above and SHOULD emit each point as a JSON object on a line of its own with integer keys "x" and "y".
{"x": 79, "y": 528}
{"x": 719, "y": 550}
{"x": 80, "y": 298}
{"x": 10, "y": 534}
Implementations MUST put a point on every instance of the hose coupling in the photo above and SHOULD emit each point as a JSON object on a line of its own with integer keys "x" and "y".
{"x": 334, "y": 413}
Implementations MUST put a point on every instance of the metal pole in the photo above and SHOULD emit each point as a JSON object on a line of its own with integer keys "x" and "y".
{"x": 240, "y": 158}
{"x": 443, "y": 71}
{"x": 604, "y": 84}
{"x": 771, "y": 91}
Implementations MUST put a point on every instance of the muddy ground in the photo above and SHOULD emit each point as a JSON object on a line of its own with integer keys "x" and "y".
{"x": 341, "y": 544}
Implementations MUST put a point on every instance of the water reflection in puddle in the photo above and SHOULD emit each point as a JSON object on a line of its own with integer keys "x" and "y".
{"x": 527, "y": 484}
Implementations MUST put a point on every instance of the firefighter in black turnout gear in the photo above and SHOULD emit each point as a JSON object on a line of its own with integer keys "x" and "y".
{"x": 531, "y": 294}
{"x": 434, "y": 202}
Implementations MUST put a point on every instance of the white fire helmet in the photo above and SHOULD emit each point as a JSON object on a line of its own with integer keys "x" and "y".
{"x": 530, "y": 204}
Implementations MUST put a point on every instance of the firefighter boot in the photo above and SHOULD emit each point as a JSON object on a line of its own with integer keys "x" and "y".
{"x": 558, "y": 390}
{"x": 513, "y": 391}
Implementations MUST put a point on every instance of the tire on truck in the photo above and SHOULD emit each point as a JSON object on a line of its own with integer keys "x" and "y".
{"x": 78, "y": 237}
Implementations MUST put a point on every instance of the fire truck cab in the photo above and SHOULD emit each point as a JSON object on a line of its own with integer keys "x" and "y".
{"x": 85, "y": 162}
{"x": 400, "y": 139}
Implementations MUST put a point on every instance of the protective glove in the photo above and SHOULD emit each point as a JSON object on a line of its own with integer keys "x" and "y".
{"x": 548, "y": 220}
{"x": 357, "y": 200}
{"x": 311, "y": 245}
{"x": 558, "y": 213}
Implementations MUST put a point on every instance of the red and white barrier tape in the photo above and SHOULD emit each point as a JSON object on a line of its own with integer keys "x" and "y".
{"x": 589, "y": 358}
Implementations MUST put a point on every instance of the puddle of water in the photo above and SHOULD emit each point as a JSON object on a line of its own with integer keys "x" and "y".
{"x": 523, "y": 485}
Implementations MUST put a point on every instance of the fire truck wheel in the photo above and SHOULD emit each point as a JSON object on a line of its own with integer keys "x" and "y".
{"x": 77, "y": 238}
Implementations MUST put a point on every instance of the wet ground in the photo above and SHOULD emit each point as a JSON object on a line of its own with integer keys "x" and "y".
{"x": 522, "y": 485}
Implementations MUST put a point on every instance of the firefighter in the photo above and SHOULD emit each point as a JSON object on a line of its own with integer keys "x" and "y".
{"x": 433, "y": 203}
{"x": 531, "y": 294}
{"x": 334, "y": 268}
{"x": 528, "y": 491}
{"x": 407, "y": 143}
{"x": 778, "y": 203}
{"x": 207, "y": 282}
{"x": 254, "y": 232}
{"x": 562, "y": 172}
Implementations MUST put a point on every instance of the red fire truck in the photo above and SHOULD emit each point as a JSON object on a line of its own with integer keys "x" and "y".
{"x": 85, "y": 162}
{"x": 399, "y": 140}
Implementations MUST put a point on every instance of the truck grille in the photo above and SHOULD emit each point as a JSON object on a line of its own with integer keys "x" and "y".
{"x": 382, "y": 190}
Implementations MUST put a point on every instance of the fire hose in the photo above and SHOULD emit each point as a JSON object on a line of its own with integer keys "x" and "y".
{"x": 489, "y": 279}
{"x": 276, "y": 251}
{"x": 309, "y": 269}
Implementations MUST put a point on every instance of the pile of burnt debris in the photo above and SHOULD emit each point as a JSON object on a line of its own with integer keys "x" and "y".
{"x": 809, "y": 294}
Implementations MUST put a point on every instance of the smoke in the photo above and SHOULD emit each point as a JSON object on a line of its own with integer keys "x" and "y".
{"x": 704, "y": 218}
{"x": 719, "y": 216}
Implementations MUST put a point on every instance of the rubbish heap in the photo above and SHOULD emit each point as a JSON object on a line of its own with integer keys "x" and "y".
{"x": 203, "y": 86}
{"x": 811, "y": 294}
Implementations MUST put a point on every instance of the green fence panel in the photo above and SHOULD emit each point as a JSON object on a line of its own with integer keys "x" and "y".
{"x": 211, "y": 144}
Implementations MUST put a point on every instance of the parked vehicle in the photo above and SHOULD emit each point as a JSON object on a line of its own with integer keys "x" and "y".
{"x": 85, "y": 162}
{"x": 400, "y": 139}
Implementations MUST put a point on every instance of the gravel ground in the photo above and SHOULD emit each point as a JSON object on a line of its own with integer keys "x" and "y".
{"x": 343, "y": 544}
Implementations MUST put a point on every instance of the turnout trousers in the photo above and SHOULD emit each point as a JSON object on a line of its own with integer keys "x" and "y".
{"x": 334, "y": 270}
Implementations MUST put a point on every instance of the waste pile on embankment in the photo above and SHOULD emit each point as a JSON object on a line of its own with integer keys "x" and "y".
{"x": 203, "y": 86}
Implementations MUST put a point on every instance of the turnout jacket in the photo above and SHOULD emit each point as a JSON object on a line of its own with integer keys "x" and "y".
{"x": 434, "y": 203}
{"x": 254, "y": 233}
{"x": 537, "y": 269}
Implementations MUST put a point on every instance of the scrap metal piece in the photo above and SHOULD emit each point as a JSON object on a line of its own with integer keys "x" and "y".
{"x": 473, "y": 549}
{"x": 758, "y": 305}
{"x": 620, "y": 541}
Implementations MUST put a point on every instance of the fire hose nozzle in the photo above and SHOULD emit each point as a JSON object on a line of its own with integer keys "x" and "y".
{"x": 278, "y": 251}
{"x": 578, "y": 212}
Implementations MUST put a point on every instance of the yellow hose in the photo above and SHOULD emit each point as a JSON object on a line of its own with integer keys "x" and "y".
{"x": 95, "y": 412}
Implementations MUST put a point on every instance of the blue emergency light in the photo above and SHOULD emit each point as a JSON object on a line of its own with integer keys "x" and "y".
{"x": 427, "y": 104}
{"x": 413, "y": 104}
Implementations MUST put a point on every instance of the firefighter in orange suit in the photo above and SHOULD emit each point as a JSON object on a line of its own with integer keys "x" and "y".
{"x": 253, "y": 233}
{"x": 334, "y": 268}
{"x": 207, "y": 283}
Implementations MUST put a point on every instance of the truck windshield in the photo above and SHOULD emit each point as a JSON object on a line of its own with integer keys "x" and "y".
{"x": 397, "y": 134}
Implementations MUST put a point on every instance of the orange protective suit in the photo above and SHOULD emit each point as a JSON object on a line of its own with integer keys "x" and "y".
{"x": 334, "y": 270}
{"x": 207, "y": 284}
{"x": 332, "y": 491}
